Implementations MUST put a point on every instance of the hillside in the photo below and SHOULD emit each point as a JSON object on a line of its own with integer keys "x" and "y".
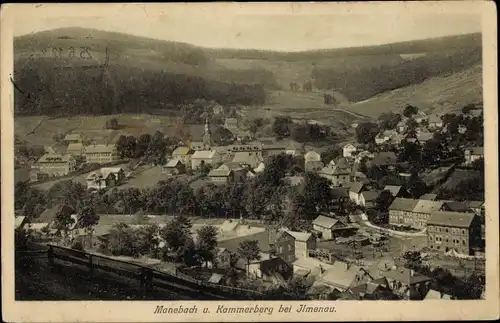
{"x": 74, "y": 71}
{"x": 436, "y": 95}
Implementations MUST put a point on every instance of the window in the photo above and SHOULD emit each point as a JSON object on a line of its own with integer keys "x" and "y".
{"x": 463, "y": 242}
{"x": 463, "y": 231}
{"x": 289, "y": 247}
{"x": 446, "y": 229}
{"x": 430, "y": 238}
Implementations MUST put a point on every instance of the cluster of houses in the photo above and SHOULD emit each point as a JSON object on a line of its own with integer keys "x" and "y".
{"x": 53, "y": 164}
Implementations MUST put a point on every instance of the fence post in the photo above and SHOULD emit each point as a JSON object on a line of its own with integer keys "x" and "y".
{"x": 91, "y": 266}
{"x": 50, "y": 255}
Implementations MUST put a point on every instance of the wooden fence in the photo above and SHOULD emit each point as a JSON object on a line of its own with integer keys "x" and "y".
{"x": 149, "y": 277}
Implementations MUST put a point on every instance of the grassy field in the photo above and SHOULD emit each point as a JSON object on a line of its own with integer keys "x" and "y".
{"x": 41, "y": 130}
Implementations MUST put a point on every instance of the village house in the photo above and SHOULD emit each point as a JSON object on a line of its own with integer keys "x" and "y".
{"x": 421, "y": 117}
{"x": 455, "y": 206}
{"x": 75, "y": 149}
{"x": 284, "y": 246}
{"x": 47, "y": 217}
{"x": 208, "y": 157}
{"x": 368, "y": 199}
{"x": 223, "y": 258}
{"x": 251, "y": 159}
{"x": 295, "y": 149}
{"x": 382, "y": 159}
{"x": 435, "y": 122}
{"x": 73, "y": 138}
{"x": 55, "y": 165}
{"x": 183, "y": 154}
{"x": 101, "y": 153}
{"x": 456, "y": 231}
{"x": 422, "y": 212}
{"x": 472, "y": 154}
{"x": 329, "y": 228}
{"x": 424, "y": 136}
{"x": 232, "y": 232}
{"x": 404, "y": 282}
{"x": 401, "y": 126}
{"x": 428, "y": 196}
{"x": 348, "y": 150}
{"x": 297, "y": 182}
{"x": 401, "y": 211}
{"x": 101, "y": 179}
{"x": 304, "y": 242}
{"x": 37, "y": 176}
{"x": 312, "y": 161}
{"x": 396, "y": 190}
{"x": 385, "y": 136}
{"x": 337, "y": 175}
{"x": 476, "y": 206}
{"x": 372, "y": 290}
{"x": 355, "y": 190}
{"x": 199, "y": 146}
{"x": 231, "y": 124}
{"x": 174, "y": 167}
{"x": 342, "y": 275}
{"x": 274, "y": 270}
{"x": 269, "y": 150}
{"x": 227, "y": 173}
{"x": 435, "y": 295}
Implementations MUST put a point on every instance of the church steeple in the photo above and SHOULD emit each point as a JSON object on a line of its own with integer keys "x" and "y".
{"x": 207, "y": 140}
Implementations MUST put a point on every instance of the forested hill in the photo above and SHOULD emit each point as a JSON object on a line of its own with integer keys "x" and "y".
{"x": 86, "y": 71}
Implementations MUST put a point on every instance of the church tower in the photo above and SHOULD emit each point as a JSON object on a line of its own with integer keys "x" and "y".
{"x": 207, "y": 140}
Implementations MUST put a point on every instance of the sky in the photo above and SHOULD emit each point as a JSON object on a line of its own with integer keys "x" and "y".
{"x": 279, "y": 29}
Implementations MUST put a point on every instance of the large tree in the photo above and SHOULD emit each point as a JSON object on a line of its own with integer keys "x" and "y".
{"x": 207, "y": 243}
{"x": 384, "y": 200}
{"x": 366, "y": 132}
{"x": 410, "y": 110}
{"x": 249, "y": 250}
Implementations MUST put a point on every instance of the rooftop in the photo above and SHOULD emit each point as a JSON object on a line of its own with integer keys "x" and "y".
{"x": 403, "y": 204}
{"x": 356, "y": 187}
{"x": 325, "y": 222}
{"x": 181, "y": 151}
{"x": 204, "y": 154}
{"x": 395, "y": 190}
{"x": 300, "y": 236}
{"x": 451, "y": 219}
{"x": 426, "y": 206}
{"x": 100, "y": 148}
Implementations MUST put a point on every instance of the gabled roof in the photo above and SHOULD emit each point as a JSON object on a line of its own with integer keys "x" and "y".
{"x": 219, "y": 173}
{"x": 324, "y": 221}
{"x": 172, "y": 163}
{"x": 370, "y": 195}
{"x": 340, "y": 274}
{"x": 231, "y": 166}
{"x": 48, "y": 215}
{"x": 181, "y": 151}
{"x": 434, "y": 294}
{"x": 311, "y": 154}
{"x": 19, "y": 221}
{"x": 429, "y": 197}
{"x": 384, "y": 158}
{"x": 456, "y": 206}
{"x": 405, "y": 276}
{"x": 248, "y": 158}
{"x": 395, "y": 190}
{"x": 451, "y": 219}
{"x": 75, "y": 146}
{"x": 300, "y": 236}
{"x": 356, "y": 187}
{"x": 203, "y": 154}
{"x": 365, "y": 289}
{"x": 328, "y": 170}
{"x": 474, "y": 204}
{"x": 477, "y": 150}
{"x": 425, "y": 206}
{"x": 349, "y": 146}
{"x": 54, "y": 158}
{"x": 100, "y": 148}
{"x": 73, "y": 136}
{"x": 229, "y": 225}
{"x": 402, "y": 204}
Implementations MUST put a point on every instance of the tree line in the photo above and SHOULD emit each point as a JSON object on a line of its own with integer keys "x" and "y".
{"x": 264, "y": 197}
{"x": 374, "y": 75}
{"x": 44, "y": 89}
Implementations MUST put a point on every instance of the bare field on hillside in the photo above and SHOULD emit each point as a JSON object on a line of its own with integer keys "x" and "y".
{"x": 437, "y": 95}
{"x": 94, "y": 127}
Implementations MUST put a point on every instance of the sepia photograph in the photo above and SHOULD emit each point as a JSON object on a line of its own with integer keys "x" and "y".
{"x": 325, "y": 154}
